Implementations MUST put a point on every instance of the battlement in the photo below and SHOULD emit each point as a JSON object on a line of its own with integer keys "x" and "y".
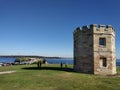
{"x": 94, "y": 28}
{"x": 101, "y": 26}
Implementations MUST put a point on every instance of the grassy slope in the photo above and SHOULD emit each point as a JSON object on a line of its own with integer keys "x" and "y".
{"x": 51, "y": 77}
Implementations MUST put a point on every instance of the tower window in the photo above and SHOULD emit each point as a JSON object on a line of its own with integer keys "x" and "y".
{"x": 102, "y": 41}
{"x": 104, "y": 62}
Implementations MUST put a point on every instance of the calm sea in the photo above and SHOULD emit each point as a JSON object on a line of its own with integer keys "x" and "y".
{"x": 51, "y": 61}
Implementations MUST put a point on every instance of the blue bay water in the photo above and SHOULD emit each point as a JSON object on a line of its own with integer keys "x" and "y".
{"x": 58, "y": 61}
{"x": 51, "y": 61}
{"x": 7, "y": 59}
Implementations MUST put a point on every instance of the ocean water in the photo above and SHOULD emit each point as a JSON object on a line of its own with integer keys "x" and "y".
{"x": 118, "y": 62}
{"x": 7, "y": 59}
{"x": 58, "y": 61}
{"x": 51, "y": 61}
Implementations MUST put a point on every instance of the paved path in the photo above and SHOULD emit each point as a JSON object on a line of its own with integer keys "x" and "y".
{"x": 7, "y": 72}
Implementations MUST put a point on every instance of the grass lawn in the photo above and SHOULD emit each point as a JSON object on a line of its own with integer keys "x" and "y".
{"x": 51, "y": 77}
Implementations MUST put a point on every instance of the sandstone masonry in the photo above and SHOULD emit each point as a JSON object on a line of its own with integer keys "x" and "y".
{"x": 94, "y": 50}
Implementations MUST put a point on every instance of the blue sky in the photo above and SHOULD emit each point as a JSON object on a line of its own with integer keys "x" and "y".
{"x": 45, "y": 27}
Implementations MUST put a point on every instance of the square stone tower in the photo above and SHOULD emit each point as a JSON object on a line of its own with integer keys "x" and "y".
{"x": 94, "y": 50}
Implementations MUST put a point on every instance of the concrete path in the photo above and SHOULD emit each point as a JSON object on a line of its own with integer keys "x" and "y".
{"x": 7, "y": 72}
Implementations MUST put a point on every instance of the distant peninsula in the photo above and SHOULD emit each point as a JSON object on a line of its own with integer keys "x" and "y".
{"x": 30, "y": 56}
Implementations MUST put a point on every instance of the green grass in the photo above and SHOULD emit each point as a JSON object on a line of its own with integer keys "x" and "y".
{"x": 51, "y": 77}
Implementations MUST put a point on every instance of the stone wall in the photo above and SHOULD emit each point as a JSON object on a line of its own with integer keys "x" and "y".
{"x": 83, "y": 50}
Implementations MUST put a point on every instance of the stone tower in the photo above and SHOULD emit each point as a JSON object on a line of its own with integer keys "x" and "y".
{"x": 94, "y": 50}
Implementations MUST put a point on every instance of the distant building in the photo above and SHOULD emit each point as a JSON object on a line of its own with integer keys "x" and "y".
{"x": 94, "y": 50}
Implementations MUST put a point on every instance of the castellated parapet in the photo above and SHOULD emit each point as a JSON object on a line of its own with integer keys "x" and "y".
{"x": 94, "y": 49}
